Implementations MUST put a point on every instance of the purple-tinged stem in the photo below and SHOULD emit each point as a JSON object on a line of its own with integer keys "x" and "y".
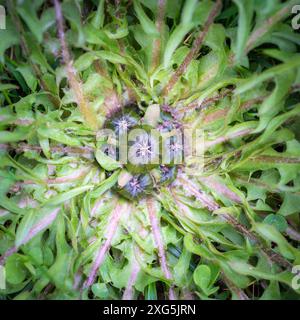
{"x": 275, "y": 159}
{"x": 23, "y": 147}
{"x": 266, "y": 27}
{"x": 66, "y": 179}
{"x": 157, "y": 235}
{"x": 110, "y": 232}
{"x": 156, "y": 51}
{"x": 39, "y": 226}
{"x": 195, "y": 49}
{"x": 205, "y": 199}
{"x": 260, "y": 184}
{"x": 36, "y": 228}
{"x": 75, "y": 85}
{"x": 129, "y": 290}
{"x": 222, "y": 139}
{"x": 206, "y": 103}
{"x": 96, "y": 206}
{"x": 212, "y": 205}
{"x": 7, "y": 254}
{"x": 239, "y": 292}
{"x": 188, "y": 295}
{"x": 77, "y": 280}
{"x": 220, "y": 188}
{"x": 128, "y": 293}
{"x": 293, "y": 234}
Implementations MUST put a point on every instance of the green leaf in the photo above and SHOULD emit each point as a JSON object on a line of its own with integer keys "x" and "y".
{"x": 174, "y": 41}
{"x": 24, "y": 226}
{"x": 31, "y": 19}
{"x": 181, "y": 269}
{"x": 147, "y": 25}
{"x": 63, "y": 197}
{"x": 202, "y": 276}
{"x": 9, "y": 37}
{"x": 85, "y": 60}
{"x": 106, "y": 162}
{"x": 7, "y": 86}
{"x": 202, "y": 11}
{"x": 98, "y": 18}
{"x": 17, "y": 135}
{"x": 105, "y": 185}
{"x": 247, "y": 269}
{"x": 272, "y": 292}
{"x": 266, "y": 75}
{"x": 151, "y": 293}
{"x": 72, "y": 13}
{"x": 152, "y": 115}
{"x": 188, "y": 10}
{"x": 272, "y": 234}
{"x": 15, "y": 270}
{"x": 277, "y": 220}
{"x": 199, "y": 249}
{"x": 290, "y": 205}
{"x": 244, "y": 27}
{"x": 275, "y": 102}
{"x": 28, "y": 75}
{"x": 100, "y": 290}
{"x": 58, "y": 135}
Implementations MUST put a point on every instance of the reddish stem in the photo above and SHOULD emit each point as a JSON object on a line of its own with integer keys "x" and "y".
{"x": 128, "y": 293}
{"x": 75, "y": 85}
{"x": 220, "y": 188}
{"x": 212, "y": 205}
{"x": 110, "y": 232}
{"x": 161, "y": 8}
{"x": 33, "y": 231}
{"x": 157, "y": 235}
{"x": 195, "y": 49}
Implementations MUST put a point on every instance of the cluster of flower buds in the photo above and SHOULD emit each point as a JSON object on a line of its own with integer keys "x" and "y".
{"x": 147, "y": 166}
